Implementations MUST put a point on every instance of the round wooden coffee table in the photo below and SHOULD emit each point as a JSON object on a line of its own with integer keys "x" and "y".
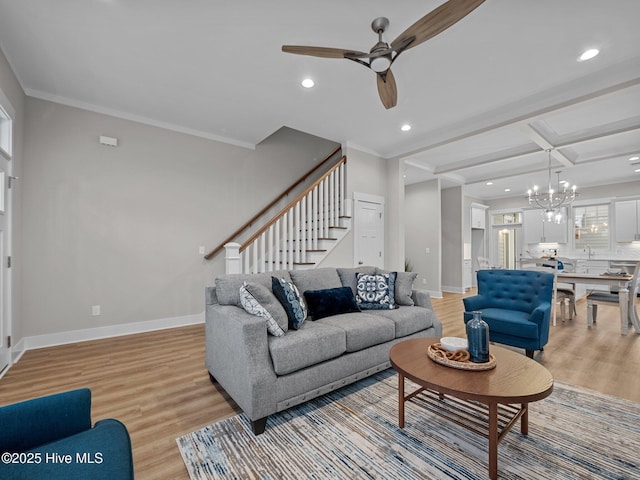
{"x": 486, "y": 402}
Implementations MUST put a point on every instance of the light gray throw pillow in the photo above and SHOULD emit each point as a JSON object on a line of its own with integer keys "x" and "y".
{"x": 404, "y": 287}
{"x": 267, "y": 301}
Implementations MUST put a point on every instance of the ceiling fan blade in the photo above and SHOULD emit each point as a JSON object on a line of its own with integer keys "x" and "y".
{"x": 436, "y": 21}
{"x": 323, "y": 52}
{"x": 387, "y": 89}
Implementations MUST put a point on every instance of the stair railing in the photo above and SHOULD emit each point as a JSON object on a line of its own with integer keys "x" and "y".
{"x": 274, "y": 202}
{"x": 299, "y": 228}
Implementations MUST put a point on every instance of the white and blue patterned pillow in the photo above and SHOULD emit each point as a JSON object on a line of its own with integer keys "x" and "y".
{"x": 376, "y": 291}
{"x": 252, "y": 306}
{"x": 291, "y": 300}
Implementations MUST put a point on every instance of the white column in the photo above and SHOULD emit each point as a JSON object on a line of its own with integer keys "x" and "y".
{"x": 232, "y": 257}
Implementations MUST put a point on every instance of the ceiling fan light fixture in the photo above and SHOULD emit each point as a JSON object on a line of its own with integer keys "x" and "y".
{"x": 406, "y": 127}
{"x": 380, "y": 64}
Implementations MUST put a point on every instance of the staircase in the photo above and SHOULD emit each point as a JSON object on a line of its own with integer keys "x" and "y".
{"x": 302, "y": 234}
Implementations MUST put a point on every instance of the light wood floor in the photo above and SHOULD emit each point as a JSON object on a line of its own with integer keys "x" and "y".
{"x": 157, "y": 385}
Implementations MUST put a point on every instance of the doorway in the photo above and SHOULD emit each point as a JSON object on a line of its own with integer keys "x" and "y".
{"x": 507, "y": 246}
{"x": 368, "y": 230}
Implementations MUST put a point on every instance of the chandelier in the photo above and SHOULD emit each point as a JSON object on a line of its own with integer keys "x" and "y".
{"x": 552, "y": 200}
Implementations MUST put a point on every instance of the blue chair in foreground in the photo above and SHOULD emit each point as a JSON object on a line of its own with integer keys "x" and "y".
{"x": 516, "y": 304}
{"x": 51, "y": 437}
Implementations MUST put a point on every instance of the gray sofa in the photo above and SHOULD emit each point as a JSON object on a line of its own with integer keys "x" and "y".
{"x": 265, "y": 374}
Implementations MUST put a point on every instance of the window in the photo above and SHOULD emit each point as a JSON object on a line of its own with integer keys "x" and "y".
{"x": 6, "y": 126}
{"x": 591, "y": 227}
{"x": 506, "y": 218}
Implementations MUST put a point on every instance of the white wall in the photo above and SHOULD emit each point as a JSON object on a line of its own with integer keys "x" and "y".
{"x": 120, "y": 227}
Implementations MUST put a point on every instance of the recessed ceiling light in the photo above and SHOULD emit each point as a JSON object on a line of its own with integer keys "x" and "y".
{"x": 489, "y": 183}
{"x": 507, "y": 189}
{"x": 631, "y": 159}
{"x": 588, "y": 54}
{"x": 406, "y": 127}
{"x": 308, "y": 83}
{"x": 637, "y": 170}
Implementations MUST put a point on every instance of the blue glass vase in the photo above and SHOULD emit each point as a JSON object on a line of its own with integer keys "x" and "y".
{"x": 478, "y": 339}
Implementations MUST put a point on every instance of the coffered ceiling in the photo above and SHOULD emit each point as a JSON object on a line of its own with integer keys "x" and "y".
{"x": 485, "y": 98}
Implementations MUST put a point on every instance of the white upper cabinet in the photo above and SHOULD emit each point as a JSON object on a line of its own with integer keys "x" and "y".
{"x": 536, "y": 230}
{"x": 627, "y": 221}
{"x": 477, "y": 217}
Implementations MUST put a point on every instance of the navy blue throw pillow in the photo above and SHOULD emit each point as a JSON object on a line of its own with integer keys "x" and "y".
{"x": 331, "y": 301}
{"x": 289, "y": 296}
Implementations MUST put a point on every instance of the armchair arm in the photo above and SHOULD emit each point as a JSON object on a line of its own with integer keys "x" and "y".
{"x": 477, "y": 302}
{"x": 541, "y": 314}
{"x": 32, "y": 423}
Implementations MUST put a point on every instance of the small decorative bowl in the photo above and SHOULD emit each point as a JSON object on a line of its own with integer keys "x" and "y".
{"x": 454, "y": 343}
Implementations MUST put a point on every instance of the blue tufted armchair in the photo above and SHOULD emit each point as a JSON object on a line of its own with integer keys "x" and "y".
{"x": 52, "y": 437}
{"x": 516, "y": 304}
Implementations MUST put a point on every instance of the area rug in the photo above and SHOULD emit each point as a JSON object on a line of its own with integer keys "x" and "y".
{"x": 353, "y": 434}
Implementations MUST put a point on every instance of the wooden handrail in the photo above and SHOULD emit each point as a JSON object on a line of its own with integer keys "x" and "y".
{"x": 268, "y": 207}
{"x": 342, "y": 161}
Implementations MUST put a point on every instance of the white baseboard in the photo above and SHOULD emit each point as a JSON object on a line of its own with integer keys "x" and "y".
{"x": 435, "y": 294}
{"x": 447, "y": 288}
{"x": 84, "y": 335}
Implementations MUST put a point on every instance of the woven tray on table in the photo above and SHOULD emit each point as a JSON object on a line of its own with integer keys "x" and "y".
{"x": 434, "y": 352}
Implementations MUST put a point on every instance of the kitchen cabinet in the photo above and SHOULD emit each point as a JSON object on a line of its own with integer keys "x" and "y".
{"x": 627, "y": 218}
{"x": 467, "y": 275}
{"x": 477, "y": 218}
{"x": 536, "y": 230}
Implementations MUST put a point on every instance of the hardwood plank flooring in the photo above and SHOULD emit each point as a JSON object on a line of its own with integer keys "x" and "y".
{"x": 156, "y": 382}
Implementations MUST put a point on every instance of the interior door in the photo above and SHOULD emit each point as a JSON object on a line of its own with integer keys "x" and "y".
{"x": 5, "y": 353}
{"x": 369, "y": 233}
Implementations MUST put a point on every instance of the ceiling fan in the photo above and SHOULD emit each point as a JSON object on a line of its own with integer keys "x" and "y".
{"x": 382, "y": 55}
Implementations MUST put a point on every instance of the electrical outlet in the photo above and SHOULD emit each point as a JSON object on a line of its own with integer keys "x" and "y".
{"x": 201, "y": 250}
{"x": 427, "y": 250}
{"x": 95, "y": 310}
{"x": 424, "y": 281}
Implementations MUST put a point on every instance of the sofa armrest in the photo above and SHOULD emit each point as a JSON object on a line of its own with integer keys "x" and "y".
{"x": 237, "y": 355}
{"x": 421, "y": 298}
{"x": 32, "y": 423}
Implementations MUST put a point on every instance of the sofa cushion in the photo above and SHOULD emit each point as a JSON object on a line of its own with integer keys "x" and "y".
{"x": 348, "y": 276}
{"x": 257, "y": 300}
{"x": 404, "y": 286}
{"x": 362, "y": 329}
{"x": 315, "y": 279}
{"x": 408, "y": 320}
{"x": 290, "y": 298}
{"x": 312, "y": 343}
{"x": 228, "y": 286}
{"x": 376, "y": 292}
{"x": 330, "y": 301}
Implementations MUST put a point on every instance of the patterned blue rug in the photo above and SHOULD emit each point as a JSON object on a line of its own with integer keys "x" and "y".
{"x": 353, "y": 434}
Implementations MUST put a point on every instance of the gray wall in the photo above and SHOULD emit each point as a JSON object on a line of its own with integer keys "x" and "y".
{"x": 12, "y": 90}
{"x": 423, "y": 230}
{"x": 452, "y": 239}
{"x": 120, "y": 227}
{"x": 366, "y": 173}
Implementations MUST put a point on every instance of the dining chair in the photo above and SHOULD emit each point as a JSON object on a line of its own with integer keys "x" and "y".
{"x": 602, "y": 298}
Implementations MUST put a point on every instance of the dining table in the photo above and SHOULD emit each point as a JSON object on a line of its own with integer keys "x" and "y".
{"x": 627, "y": 315}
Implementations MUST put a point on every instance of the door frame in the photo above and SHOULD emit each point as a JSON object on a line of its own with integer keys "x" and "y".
{"x": 6, "y": 282}
{"x": 358, "y": 198}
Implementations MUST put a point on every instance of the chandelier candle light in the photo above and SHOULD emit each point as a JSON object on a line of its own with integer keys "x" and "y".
{"x": 552, "y": 200}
